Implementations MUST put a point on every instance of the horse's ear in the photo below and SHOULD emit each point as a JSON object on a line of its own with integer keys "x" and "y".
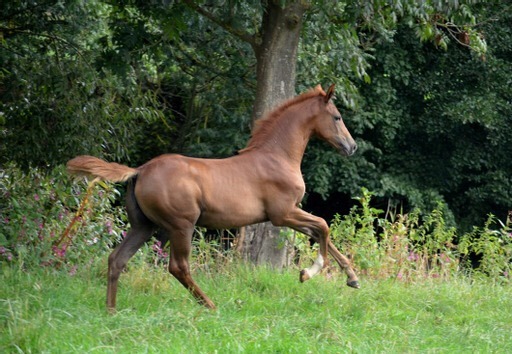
{"x": 319, "y": 88}
{"x": 330, "y": 93}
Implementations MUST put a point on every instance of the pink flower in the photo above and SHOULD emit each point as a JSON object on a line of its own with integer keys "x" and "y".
{"x": 36, "y": 197}
{"x": 412, "y": 256}
{"x": 444, "y": 258}
{"x": 156, "y": 246}
{"x": 108, "y": 225}
{"x": 59, "y": 252}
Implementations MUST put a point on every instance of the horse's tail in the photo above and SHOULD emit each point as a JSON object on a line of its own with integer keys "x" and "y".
{"x": 93, "y": 166}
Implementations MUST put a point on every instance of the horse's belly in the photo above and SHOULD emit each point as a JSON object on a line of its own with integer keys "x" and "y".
{"x": 231, "y": 217}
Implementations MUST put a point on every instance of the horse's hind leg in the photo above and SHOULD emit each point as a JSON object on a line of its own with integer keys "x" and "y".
{"x": 117, "y": 260}
{"x": 181, "y": 246}
{"x": 141, "y": 230}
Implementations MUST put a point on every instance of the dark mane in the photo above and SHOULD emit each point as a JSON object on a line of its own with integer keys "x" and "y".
{"x": 263, "y": 126}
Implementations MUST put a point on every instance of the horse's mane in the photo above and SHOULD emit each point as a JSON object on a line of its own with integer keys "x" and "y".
{"x": 265, "y": 125}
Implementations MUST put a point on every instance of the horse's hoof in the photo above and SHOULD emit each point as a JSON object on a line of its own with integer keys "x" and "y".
{"x": 304, "y": 276}
{"x": 354, "y": 284}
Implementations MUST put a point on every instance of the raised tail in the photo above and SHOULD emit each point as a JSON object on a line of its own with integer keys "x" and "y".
{"x": 93, "y": 166}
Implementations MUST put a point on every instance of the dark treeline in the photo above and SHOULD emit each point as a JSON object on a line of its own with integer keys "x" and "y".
{"x": 429, "y": 103}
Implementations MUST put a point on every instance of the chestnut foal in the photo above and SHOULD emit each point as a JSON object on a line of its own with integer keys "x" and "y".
{"x": 173, "y": 193}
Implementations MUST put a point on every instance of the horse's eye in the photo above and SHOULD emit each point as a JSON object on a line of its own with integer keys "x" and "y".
{"x": 337, "y": 118}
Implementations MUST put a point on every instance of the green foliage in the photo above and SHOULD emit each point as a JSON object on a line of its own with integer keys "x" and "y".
{"x": 55, "y": 103}
{"x": 412, "y": 247}
{"x": 492, "y": 246}
{"x": 49, "y": 221}
{"x": 357, "y": 230}
{"x": 434, "y": 124}
{"x": 53, "y": 222}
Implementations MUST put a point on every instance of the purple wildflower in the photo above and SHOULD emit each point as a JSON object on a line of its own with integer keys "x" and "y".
{"x": 156, "y": 246}
{"x": 412, "y": 256}
{"x": 60, "y": 252}
{"x": 444, "y": 257}
{"x": 108, "y": 225}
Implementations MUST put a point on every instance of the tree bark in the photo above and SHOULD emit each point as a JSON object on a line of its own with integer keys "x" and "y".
{"x": 276, "y": 56}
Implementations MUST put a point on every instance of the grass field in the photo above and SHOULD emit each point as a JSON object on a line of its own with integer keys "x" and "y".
{"x": 259, "y": 311}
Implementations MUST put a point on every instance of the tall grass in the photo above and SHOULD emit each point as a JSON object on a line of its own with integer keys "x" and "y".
{"x": 259, "y": 311}
{"x": 417, "y": 246}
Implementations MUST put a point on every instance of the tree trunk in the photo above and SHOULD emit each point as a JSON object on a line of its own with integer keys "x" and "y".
{"x": 276, "y": 55}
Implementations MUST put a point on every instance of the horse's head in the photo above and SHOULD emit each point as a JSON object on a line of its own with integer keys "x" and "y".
{"x": 329, "y": 125}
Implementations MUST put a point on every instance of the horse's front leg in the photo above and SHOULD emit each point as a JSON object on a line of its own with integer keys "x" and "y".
{"x": 345, "y": 265}
{"x": 313, "y": 226}
{"x": 318, "y": 229}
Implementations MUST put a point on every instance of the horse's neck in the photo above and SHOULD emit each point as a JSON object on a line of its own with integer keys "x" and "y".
{"x": 290, "y": 138}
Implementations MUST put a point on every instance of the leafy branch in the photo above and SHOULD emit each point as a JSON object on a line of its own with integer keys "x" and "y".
{"x": 241, "y": 34}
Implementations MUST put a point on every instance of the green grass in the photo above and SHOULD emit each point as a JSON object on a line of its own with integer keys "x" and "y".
{"x": 259, "y": 311}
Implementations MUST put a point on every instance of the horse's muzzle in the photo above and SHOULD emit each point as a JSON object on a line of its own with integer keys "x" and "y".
{"x": 352, "y": 149}
{"x": 347, "y": 148}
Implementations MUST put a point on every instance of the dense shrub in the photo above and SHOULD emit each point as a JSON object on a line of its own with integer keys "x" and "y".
{"x": 48, "y": 220}
{"x": 410, "y": 247}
